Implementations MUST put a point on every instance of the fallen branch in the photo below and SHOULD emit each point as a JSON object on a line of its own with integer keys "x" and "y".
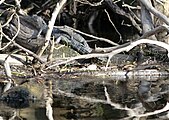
{"x": 121, "y": 48}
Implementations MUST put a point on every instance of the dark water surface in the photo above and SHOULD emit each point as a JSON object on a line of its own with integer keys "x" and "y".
{"x": 98, "y": 99}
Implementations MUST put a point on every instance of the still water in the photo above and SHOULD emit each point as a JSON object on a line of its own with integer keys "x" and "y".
{"x": 83, "y": 98}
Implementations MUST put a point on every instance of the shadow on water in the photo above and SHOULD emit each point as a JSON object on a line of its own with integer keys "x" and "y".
{"x": 87, "y": 99}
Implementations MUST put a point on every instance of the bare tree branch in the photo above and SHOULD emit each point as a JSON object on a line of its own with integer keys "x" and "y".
{"x": 119, "y": 49}
{"x": 51, "y": 24}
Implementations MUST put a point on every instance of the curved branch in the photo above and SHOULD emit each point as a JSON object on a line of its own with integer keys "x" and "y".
{"x": 119, "y": 49}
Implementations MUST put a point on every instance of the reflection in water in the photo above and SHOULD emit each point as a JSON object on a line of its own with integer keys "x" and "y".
{"x": 34, "y": 112}
{"x": 88, "y": 100}
{"x": 98, "y": 99}
{"x": 151, "y": 101}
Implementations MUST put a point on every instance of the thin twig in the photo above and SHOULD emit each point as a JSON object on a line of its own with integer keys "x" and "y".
{"x": 88, "y": 35}
{"x": 89, "y": 3}
{"x": 113, "y": 25}
{"x": 116, "y": 9}
{"x": 131, "y": 7}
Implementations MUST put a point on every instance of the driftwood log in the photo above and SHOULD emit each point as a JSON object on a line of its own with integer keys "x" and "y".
{"x": 32, "y": 32}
